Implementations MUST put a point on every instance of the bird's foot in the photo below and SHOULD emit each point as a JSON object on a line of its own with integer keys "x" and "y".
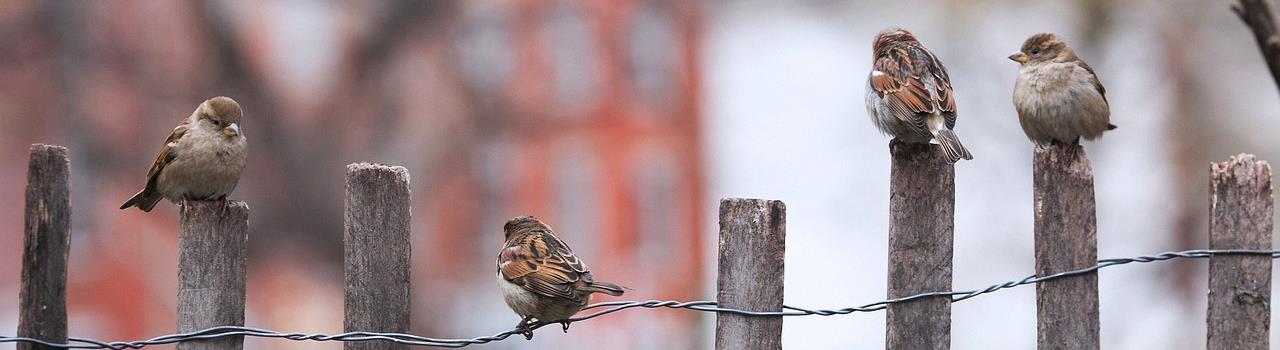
{"x": 525, "y": 328}
{"x": 564, "y": 325}
{"x": 895, "y": 141}
{"x": 226, "y": 205}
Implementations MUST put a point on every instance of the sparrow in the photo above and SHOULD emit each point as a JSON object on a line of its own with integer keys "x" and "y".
{"x": 1058, "y": 96}
{"x": 541, "y": 278}
{"x": 201, "y": 160}
{"x": 909, "y": 93}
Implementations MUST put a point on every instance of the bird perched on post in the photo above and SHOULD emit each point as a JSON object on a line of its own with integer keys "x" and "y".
{"x": 540, "y": 276}
{"x": 1058, "y": 96}
{"x": 909, "y": 94}
{"x": 201, "y": 160}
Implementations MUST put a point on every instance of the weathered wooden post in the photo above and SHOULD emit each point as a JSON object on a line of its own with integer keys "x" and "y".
{"x": 1241, "y": 217}
{"x": 1066, "y": 238}
{"x": 46, "y": 238}
{"x": 376, "y": 247}
{"x": 212, "y": 250}
{"x": 921, "y": 221}
{"x": 753, "y": 236}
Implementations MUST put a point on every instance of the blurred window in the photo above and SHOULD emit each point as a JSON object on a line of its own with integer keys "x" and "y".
{"x": 653, "y": 48}
{"x": 576, "y": 181}
{"x": 574, "y": 56}
{"x": 485, "y": 50}
{"x": 658, "y": 219}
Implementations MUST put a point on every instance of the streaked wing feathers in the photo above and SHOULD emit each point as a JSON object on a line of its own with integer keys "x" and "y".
{"x": 543, "y": 264}
{"x": 899, "y": 78}
{"x": 946, "y": 96}
{"x": 166, "y": 155}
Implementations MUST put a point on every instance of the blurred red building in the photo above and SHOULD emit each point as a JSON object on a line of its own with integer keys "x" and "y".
{"x": 589, "y": 119}
{"x": 582, "y": 113}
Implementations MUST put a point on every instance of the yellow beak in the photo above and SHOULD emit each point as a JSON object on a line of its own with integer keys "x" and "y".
{"x": 231, "y": 130}
{"x": 1019, "y": 57}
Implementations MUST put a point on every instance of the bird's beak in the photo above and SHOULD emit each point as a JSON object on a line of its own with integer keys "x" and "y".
{"x": 1019, "y": 57}
{"x": 231, "y": 130}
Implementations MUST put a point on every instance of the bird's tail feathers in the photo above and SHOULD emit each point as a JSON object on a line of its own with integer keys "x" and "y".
{"x": 951, "y": 145}
{"x": 143, "y": 200}
{"x": 605, "y": 287}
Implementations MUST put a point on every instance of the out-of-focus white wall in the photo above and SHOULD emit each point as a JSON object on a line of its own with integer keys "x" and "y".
{"x": 786, "y": 120}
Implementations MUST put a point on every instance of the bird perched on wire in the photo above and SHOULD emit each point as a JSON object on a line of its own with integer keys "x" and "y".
{"x": 201, "y": 160}
{"x": 909, "y": 94}
{"x": 1058, "y": 96}
{"x": 541, "y": 278}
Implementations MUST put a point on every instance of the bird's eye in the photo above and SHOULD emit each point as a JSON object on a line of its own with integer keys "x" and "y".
{"x": 1035, "y": 52}
{"x": 216, "y": 122}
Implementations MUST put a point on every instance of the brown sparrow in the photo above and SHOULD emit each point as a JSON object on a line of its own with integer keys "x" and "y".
{"x": 202, "y": 159}
{"x": 540, "y": 276}
{"x": 909, "y": 94}
{"x": 1057, "y": 95}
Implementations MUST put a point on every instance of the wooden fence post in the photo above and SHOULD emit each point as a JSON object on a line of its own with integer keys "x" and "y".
{"x": 753, "y": 236}
{"x": 1241, "y": 217}
{"x": 212, "y": 249}
{"x": 46, "y": 239}
{"x": 921, "y": 221}
{"x": 1066, "y": 238}
{"x": 376, "y": 247}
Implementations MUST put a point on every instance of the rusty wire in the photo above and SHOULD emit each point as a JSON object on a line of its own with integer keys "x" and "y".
{"x": 615, "y": 306}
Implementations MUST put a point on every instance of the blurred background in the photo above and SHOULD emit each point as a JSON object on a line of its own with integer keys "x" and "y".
{"x": 621, "y": 123}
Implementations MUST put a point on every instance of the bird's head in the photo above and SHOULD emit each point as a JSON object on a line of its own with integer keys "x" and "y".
{"x": 221, "y": 114}
{"x": 1043, "y": 47}
{"x": 522, "y": 225}
{"x": 890, "y": 38}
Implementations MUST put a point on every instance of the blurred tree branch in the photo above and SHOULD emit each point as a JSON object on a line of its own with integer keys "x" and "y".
{"x": 1258, "y": 16}
{"x": 287, "y": 221}
{"x": 358, "y": 86}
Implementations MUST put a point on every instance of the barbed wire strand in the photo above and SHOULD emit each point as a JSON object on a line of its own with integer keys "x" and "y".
{"x": 615, "y": 306}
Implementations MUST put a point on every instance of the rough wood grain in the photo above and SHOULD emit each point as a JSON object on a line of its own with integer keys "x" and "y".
{"x": 1257, "y": 14}
{"x": 752, "y": 245}
{"x": 376, "y": 245}
{"x": 46, "y": 239}
{"x": 212, "y": 248}
{"x": 921, "y": 221}
{"x": 1066, "y": 238}
{"x": 1240, "y": 217}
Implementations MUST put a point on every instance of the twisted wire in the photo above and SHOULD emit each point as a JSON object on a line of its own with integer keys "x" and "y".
{"x": 606, "y": 308}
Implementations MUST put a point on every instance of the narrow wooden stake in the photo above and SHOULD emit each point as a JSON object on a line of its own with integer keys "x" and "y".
{"x": 753, "y": 236}
{"x": 212, "y": 249}
{"x": 42, "y": 298}
{"x": 1066, "y": 236}
{"x": 1241, "y": 217}
{"x": 921, "y": 221}
{"x": 376, "y": 243}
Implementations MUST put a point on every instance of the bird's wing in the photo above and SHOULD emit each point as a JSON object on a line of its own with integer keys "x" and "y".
{"x": 945, "y": 99}
{"x": 543, "y": 264}
{"x": 166, "y": 155}
{"x": 1097, "y": 84}
{"x": 893, "y": 78}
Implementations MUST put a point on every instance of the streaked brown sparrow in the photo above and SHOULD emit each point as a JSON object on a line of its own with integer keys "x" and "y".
{"x": 1057, "y": 95}
{"x": 909, "y": 94}
{"x": 540, "y": 276}
{"x": 201, "y": 160}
